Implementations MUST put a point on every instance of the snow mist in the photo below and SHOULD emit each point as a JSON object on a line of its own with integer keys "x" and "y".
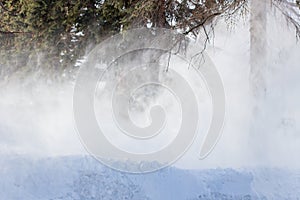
{"x": 37, "y": 120}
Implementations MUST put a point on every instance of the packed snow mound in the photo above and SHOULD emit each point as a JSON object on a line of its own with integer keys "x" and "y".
{"x": 84, "y": 178}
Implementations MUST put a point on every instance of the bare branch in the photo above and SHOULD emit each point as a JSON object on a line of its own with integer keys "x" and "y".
{"x": 202, "y": 23}
{"x": 290, "y": 11}
{"x": 14, "y": 32}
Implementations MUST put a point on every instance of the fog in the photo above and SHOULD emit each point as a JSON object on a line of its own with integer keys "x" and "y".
{"x": 37, "y": 120}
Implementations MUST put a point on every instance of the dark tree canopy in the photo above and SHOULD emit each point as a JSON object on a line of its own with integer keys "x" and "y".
{"x": 54, "y": 34}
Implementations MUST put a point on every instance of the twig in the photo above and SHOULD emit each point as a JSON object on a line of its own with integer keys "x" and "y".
{"x": 14, "y": 32}
{"x": 203, "y": 22}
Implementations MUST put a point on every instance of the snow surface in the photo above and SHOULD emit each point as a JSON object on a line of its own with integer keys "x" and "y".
{"x": 84, "y": 178}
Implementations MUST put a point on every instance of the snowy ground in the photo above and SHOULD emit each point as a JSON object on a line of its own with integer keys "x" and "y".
{"x": 83, "y": 178}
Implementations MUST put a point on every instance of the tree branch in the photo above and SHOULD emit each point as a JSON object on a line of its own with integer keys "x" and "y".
{"x": 5, "y": 9}
{"x": 202, "y": 23}
{"x": 14, "y": 32}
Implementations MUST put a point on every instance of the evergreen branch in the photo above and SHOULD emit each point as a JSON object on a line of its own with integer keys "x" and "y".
{"x": 5, "y": 9}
